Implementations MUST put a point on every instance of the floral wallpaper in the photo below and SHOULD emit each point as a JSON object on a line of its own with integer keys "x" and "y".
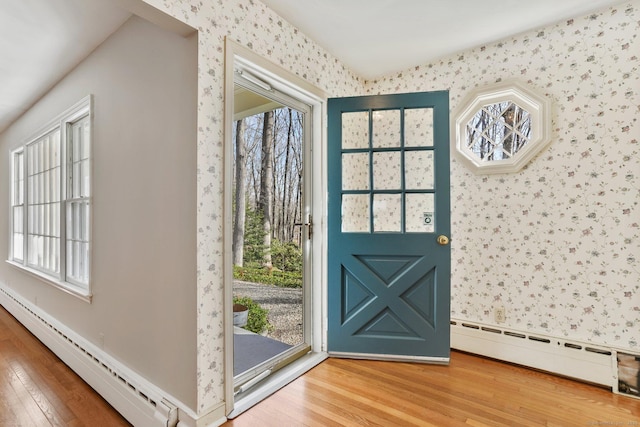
{"x": 355, "y": 130}
{"x": 386, "y": 168}
{"x": 418, "y": 127}
{"x": 418, "y": 170}
{"x": 355, "y": 213}
{"x": 557, "y": 244}
{"x": 355, "y": 171}
{"x": 253, "y": 25}
{"x": 386, "y": 129}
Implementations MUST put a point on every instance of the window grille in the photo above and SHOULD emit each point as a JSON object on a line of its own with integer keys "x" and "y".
{"x": 51, "y": 201}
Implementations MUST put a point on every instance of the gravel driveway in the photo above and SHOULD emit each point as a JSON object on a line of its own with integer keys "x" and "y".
{"x": 284, "y": 305}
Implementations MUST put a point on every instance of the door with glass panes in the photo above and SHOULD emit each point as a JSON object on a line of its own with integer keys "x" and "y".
{"x": 389, "y": 226}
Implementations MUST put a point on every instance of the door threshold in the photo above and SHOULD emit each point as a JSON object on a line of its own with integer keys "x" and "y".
{"x": 391, "y": 357}
{"x": 275, "y": 382}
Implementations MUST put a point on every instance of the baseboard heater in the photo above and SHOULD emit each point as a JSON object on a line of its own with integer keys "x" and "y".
{"x": 141, "y": 403}
{"x": 574, "y": 359}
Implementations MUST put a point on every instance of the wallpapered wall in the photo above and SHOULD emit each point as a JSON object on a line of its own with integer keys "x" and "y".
{"x": 555, "y": 243}
{"x": 558, "y": 244}
{"x": 255, "y": 26}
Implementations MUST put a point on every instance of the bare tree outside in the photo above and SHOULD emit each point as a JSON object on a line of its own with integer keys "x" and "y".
{"x": 265, "y": 202}
{"x": 498, "y": 131}
{"x": 267, "y": 210}
{"x": 240, "y": 195}
{"x": 268, "y": 190}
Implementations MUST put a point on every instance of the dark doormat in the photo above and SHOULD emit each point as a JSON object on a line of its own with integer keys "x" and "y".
{"x": 250, "y": 350}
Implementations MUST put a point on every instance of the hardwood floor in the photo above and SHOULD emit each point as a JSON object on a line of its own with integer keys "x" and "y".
{"x": 471, "y": 391}
{"x": 37, "y": 389}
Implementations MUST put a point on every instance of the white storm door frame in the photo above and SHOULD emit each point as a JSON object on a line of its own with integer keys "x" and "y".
{"x": 237, "y": 56}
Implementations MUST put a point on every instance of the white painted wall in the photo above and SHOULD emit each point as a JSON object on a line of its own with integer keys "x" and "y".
{"x": 144, "y": 206}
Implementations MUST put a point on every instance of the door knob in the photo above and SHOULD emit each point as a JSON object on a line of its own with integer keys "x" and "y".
{"x": 443, "y": 240}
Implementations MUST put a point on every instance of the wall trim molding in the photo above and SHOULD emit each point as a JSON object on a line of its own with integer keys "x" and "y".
{"x": 138, "y": 400}
{"x": 575, "y": 359}
{"x": 143, "y": 403}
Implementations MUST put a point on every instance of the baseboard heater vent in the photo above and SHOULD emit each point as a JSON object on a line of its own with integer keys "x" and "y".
{"x": 561, "y": 356}
{"x": 125, "y": 391}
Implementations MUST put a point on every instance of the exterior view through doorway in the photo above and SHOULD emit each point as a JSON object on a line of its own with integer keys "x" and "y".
{"x": 378, "y": 283}
{"x": 270, "y": 229}
{"x": 273, "y": 252}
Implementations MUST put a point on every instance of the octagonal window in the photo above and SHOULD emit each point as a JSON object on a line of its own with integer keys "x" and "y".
{"x": 500, "y": 129}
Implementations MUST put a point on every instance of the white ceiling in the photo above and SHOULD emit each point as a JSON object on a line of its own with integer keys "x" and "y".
{"x": 42, "y": 40}
{"x": 377, "y": 37}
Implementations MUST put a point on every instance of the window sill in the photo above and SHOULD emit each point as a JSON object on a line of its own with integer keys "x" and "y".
{"x": 63, "y": 286}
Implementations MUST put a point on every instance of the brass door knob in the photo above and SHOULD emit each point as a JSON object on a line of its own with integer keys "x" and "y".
{"x": 443, "y": 240}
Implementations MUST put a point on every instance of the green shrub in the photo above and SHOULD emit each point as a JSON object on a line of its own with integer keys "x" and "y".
{"x": 256, "y": 274}
{"x": 254, "y": 249}
{"x": 286, "y": 256}
{"x": 257, "y": 317}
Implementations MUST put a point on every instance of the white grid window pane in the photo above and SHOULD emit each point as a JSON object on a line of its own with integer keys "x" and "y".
{"x": 79, "y": 154}
{"x": 78, "y": 206}
{"x": 18, "y": 179}
{"x": 17, "y": 207}
{"x": 18, "y": 219}
{"x": 18, "y": 247}
{"x": 78, "y": 241}
{"x": 41, "y": 207}
{"x": 43, "y": 179}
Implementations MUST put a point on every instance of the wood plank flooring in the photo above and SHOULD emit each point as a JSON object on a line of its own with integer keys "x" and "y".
{"x": 37, "y": 389}
{"x": 471, "y": 391}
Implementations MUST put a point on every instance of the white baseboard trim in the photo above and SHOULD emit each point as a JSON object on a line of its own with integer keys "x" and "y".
{"x": 138, "y": 400}
{"x": 144, "y": 404}
{"x": 574, "y": 359}
{"x": 213, "y": 417}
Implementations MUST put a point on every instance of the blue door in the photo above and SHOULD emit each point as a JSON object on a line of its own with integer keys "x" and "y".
{"x": 389, "y": 224}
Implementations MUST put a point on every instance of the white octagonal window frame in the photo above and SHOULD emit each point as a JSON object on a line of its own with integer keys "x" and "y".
{"x": 538, "y": 108}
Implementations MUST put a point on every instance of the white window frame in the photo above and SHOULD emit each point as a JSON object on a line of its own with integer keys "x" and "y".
{"x": 17, "y": 191}
{"x": 538, "y": 107}
{"x": 64, "y": 224}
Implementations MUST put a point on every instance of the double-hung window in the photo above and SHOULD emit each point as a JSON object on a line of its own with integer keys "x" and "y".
{"x": 51, "y": 202}
{"x": 17, "y": 206}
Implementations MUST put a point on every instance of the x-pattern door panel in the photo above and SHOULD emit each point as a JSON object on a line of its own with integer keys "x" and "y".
{"x": 388, "y": 199}
{"x": 387, "y": 296}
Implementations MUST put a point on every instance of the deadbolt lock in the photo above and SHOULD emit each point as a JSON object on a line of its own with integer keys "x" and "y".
{"x": 308, "y": 224}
